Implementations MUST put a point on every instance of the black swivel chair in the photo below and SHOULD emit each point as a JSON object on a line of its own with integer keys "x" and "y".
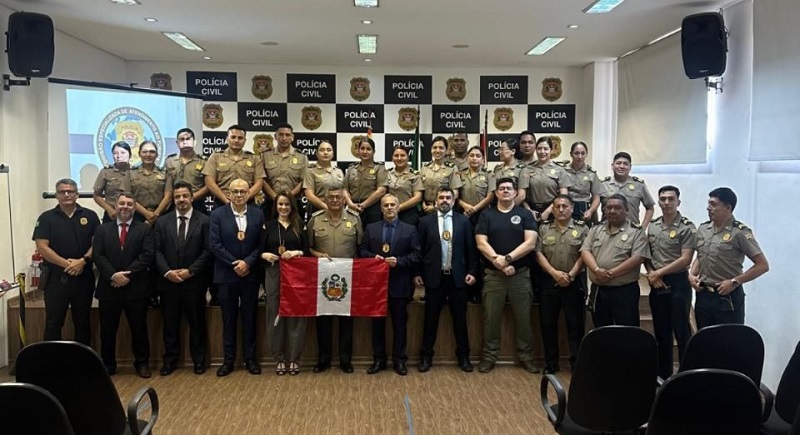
{"x": 76, "y": 376}
{"x": 706, "y": 401}
{"x": 613, "y": 383}
{"x": 26, "y": 409}
{"x": 787, "y": 400}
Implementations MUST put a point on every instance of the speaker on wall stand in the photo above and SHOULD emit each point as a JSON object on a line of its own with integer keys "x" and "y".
{"x": 30, "y": 45}
{"x": 704, "y": 47}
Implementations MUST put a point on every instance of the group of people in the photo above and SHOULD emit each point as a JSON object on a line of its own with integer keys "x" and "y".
{"x": 526, "y": 231}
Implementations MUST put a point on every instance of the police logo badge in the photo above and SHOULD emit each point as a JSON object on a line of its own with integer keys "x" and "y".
{"x": 212, "y": 115}
{"x": 516, "y": 219}
{"x": 311, "y": 117}
{"x": 334, "y": 288}
{"x": 407, "y": 118}
{"x": 161, "y": 81}
{"x": 456, "y": 89}
{"x": 556, "y": 150}
{"x": 84, "y": 221}
{"x": 354, "y": 141}
{"x": 359, "y": 88}
{"x": 262, "y": 142}
{"x": 262, "y": 87}
{"x": 129, "y": 125}
{"x": 551, "y": 89}
{"x": 503, "y": 118}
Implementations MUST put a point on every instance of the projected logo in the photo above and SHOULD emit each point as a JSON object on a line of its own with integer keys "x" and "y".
{"x": 132, "y": 126}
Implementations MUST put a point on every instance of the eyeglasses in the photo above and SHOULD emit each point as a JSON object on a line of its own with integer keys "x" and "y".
{"x": 238, "y": 192}
{"x": 66, "y": 192}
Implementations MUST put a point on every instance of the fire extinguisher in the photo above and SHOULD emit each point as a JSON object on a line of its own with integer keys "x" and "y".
{"x": 36, "y": 261}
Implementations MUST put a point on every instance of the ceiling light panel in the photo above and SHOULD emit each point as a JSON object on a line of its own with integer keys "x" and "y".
{"x": 181, "y": 39}
{"x": 367, "y": 44}
{"x": 545, "y": 45}
{"x": 602, "y": 6}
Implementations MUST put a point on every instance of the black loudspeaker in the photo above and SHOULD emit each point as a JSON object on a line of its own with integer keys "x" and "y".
{"x": 704, "y": 43}
{"x": 30, "y": 44}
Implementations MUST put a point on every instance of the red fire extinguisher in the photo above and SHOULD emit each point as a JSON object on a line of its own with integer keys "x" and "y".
{"x": 36, "y": 261}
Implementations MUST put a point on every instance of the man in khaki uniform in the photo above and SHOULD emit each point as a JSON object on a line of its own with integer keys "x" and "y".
{"x": 632, "y": 188}
{"x": 716, "y": 274}
{"x": 284, "y": 168}
{"x": 459, "y": 144}
{"x": 187, "y": 166}
{"x": 564, "y": 287}
{"x": 334, "y": 233}
{"x": 613, "y": 253}
{"x": 225, "y": 166}
{"x": 672, "y": 239}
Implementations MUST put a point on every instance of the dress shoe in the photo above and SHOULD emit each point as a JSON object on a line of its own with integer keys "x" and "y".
{"x": 400, "y": 369}
{"x": 376, "y": 367}
{"x": 199, "y": 369}
{"x": 425, "y": 364}
{"x": 529, "y": 366}
{"x": 465, "y": 365}
{"x": 346, "y": 367}
{"x": 143, "y": 371}
{"x": 225, "y": 369}
{"x": 551, "y": 369}
{"x": 486, "y": 366}
{"x": 320, "y": 367}
{"x": 167, "y": 369}
{"x": 253, "y": 367}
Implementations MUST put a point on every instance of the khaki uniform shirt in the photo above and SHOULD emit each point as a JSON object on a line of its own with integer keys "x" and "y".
{"x": 434, "y": 179}
{"x": 476, "y": 185}
{"x": 148, "y": 187}
{"x": 611, "y": 249}
{"x": 562, "y": 248}
{"x": 284, "y": 171}
{"x": 667, "y": 241}
{"x": 225, "y": 168}
{"x": 542, "y": 182}
{"x": 403, "y": 185}
{"x": 320, "y": 179}
{"x": 111, "y": 181}
{"x": 361, "y": 181}
{"x": 585, "y": 183}
{"x": 502, "y": 171}
{"x": 634, "y": 191}
{"x": 461, "y": 164}
{"x": 721, "y": 253}
{"x": 338, "y": 240}
{"x": 190, "y": 172}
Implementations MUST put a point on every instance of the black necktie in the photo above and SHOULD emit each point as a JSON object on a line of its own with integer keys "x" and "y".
{"x": 182, "y": 231}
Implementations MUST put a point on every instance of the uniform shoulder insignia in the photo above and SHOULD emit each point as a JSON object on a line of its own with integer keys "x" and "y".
{"x": 521, "y": 165}
{"x": 686, "y": 221}
{"x": 172, "y": 155}
{"x": 109, "y": 167}
{"x": 497, "y": 166}
{"x": 428, "y": 164}
{"x": 312, "y": 164}
{"x": 579, "y": 223}
{"x": 638, "y": 179}
{"x": 635, "y": 225}
{"x": 562, "y": 163}
{"x": 658, "y": 219}
{"x": 353, "y": 165}
{"x": 547, "y": 222}
{"x": 740, "y": 225}
{"x": 414, "y": 171}
{"x": 203, "y": 157}
{"x": 248, "y": 153}
{"x": 317, "y": 213}
{"x": 608, "y": 178}
{"x": 449, "y": 164}
{"x": 706, "y": 222}
{"x": 380, "y": 163}
{"x": 589, "y": 167}
{"x": 352, "y": 212}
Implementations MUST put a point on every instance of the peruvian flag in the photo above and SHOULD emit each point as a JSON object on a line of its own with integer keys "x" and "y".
{"x": 338, "y": 287}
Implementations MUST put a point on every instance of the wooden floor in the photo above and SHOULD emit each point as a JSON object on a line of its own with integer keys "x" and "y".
{"x": 442, "y": 401}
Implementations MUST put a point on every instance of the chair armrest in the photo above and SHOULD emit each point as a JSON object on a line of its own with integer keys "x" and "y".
{"x": 133, "y": 411}
{"x": 769, "y": 399}
{"x": 561, "y": 407}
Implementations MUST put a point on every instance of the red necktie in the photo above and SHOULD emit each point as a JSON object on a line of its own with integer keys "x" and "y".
{"x": 123, "y": 234}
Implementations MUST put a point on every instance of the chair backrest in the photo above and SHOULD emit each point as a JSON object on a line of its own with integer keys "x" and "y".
{"x": 706, "y": 401}
{"x": 787, "y": 398}
{"x": 614, "y": 380}
{"x": 76, "y": 376}
{"x": 28, "y": 409}
{"x": 729, "y": 347}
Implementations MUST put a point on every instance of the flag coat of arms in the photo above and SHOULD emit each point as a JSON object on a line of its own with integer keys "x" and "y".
{"x": 338, "y": 287}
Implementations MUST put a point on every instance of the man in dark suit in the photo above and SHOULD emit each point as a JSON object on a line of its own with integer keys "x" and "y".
{"x": 181, "y": 258}
{"x": 123, "y": 252}
{"x": 449, "y": 264}
{"x": 397, "y": 243}
{"x": 235, "y": 242}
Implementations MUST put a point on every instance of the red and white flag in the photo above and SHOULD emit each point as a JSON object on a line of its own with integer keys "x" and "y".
{"x": 339, "y": 287}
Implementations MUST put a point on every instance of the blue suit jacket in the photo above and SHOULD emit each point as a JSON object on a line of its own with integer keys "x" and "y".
{"x": 465, "y": 254}
{"x": 227, "y": 248}
{"x": 404, "y": 245}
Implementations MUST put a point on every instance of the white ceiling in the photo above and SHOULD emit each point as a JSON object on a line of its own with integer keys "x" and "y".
{"x": 411, "y": 32}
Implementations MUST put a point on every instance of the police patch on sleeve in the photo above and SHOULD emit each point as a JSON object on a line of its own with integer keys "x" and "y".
{"x": 516, "y": 219}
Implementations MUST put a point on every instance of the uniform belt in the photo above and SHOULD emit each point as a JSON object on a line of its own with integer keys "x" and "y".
{"x": 447, "y": 271}
{"x": 709, "y": 286}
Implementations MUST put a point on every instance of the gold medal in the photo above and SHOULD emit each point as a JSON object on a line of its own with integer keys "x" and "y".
{"x": 575, "y": 233}
{"x": 624, "y": 237}
{"x": 446, "y": 235}
{"x": 672, "y": 234}
{"x": 386, "y": 248}
{"x": 240, "y": 235}
{"x": 726, "y": 237}
{"x": 281, "y": 249}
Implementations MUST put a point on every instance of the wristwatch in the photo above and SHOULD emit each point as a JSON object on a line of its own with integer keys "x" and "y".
{"x": 509, "y": 259}
{"x": 87, "y": 259}
{"x": 735, "y": 282}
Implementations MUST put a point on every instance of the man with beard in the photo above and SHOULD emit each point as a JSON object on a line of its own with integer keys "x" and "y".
{"x": 234, "y": 163}
{"x": 187, "y": 166}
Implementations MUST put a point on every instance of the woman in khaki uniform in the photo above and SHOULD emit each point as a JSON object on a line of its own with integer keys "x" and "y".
{"x": 365, "y": 184}
{"x": 151, "y": 186}
{"x": 586, "y": 186}
{"x": 509, "y": 167}
{"x": 321, "y": 176}
{"x": 406, "y": 184}
{"x": 437, "y": 174}
{"x": 477, "y": 193}
{"x": 540, "y": 182}
{"x": 113, "y": 179}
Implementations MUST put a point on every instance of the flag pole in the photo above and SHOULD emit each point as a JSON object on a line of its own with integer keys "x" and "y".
{"x": 485, "y": 139}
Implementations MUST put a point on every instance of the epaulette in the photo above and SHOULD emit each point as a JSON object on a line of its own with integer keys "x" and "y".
{"x": 172, "y": 155}
{"x": 248, "y": 153}
{"x": 706, "y": 222}
{"x": 608, "y": 178}
{"x": 449, "y": 164}
{"x": 498, "y": 166}
{"x": 740, "y": 225}
{"x": 312, "y": 164}
{"x": 579, "y": 223}
{"x": 657, "y": 219}
{"x": 318, "y": 212}
{"x": 638, "y": 179}
{"x": 547, "y": 222}
{"x": 521, "y": 165}
{"x": 635, "y": 225}
{"x": 562, "y": 163}
{"x": 428, "y": 164}
{"x": 203, "y": 157}
{"x": 353, "y": 165}
{"x": 380, "y": 163}
{"x": 414, "y": 171}
{"x": 351, "y": 211}
{"x": 110, "y": 167}
{"x": 590, "y": 169}
{"x": 686, "y": 221}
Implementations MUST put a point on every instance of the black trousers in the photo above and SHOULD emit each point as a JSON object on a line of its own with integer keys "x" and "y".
{"x": 671, "y": 308}
{"x": 63, "y": 291}
{"x": 192, "y": 304}
{"x": 434, "y": 300}
{"x": 325, "y": 339}
{"x": 399, "y": 314}
{"x": 713, "y": 309}
{"x": 616, "y": 305}
{"x": 232, "y": 297}
{"x": 572, "y": 300}
{"x": 136, "y": 313}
